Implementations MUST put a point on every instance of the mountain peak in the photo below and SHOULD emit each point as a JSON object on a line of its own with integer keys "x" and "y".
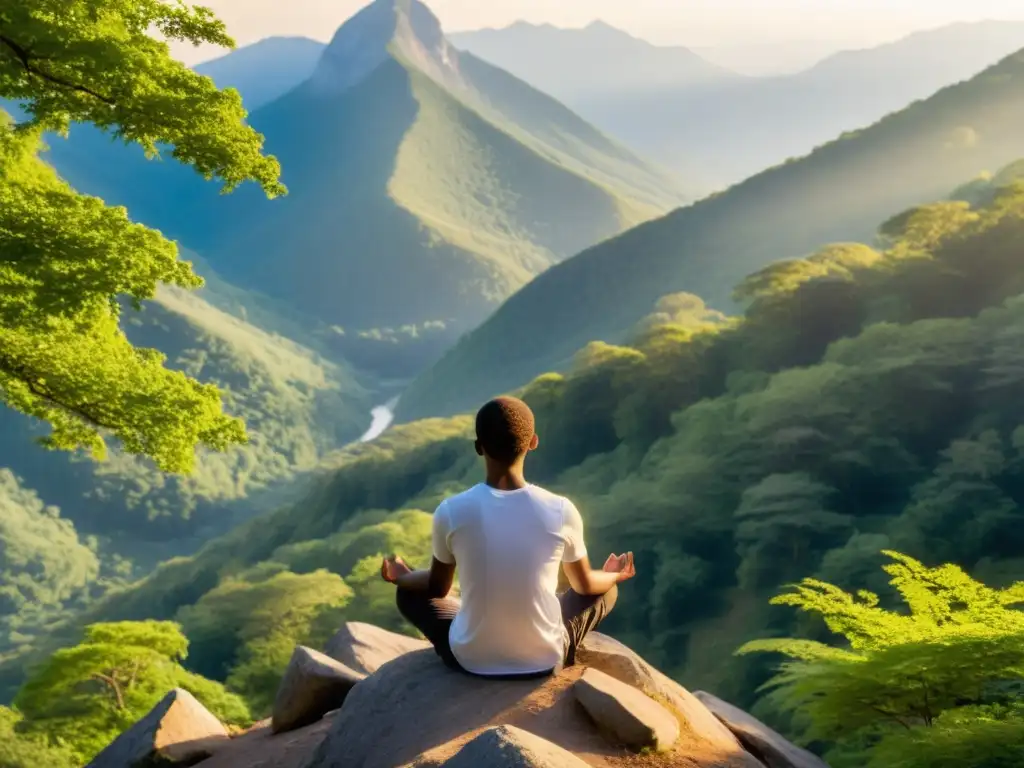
{"x": 385, "y": 29}
{"x": 598, "y": 25}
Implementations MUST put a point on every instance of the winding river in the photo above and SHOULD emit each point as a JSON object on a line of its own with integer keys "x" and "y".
{"x": 381, "y": 418}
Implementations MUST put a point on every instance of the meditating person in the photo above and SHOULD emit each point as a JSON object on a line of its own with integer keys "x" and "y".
{"x": 508, "y": 539}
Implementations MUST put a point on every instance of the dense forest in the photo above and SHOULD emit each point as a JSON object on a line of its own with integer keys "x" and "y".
{"x": 839, "y": 192}
{"x": 868, "y": 400}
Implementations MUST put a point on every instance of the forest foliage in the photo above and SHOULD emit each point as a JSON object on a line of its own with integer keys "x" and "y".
{"x": 868, "y": 400}
{"x": 936, "y": 682}
{"x": 69, "y": 259}
{"x": 84, "y": 696}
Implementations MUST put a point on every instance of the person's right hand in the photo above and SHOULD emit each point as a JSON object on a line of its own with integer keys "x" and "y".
{"x": 621, "y": 565}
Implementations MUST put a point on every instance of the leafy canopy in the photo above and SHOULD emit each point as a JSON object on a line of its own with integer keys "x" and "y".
{"x": 67, "y": 260}
{"x": 945, "y": 669}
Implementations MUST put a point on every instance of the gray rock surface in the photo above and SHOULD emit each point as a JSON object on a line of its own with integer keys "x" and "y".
{"x": 774, "y": 750}
{"x": 626, "y": 713}
{"x": 177, "y": 731}
{"x": 313, "y": 685}
{"x": 700, "y": 727}
{"x": 365, "y": 648}
{"x": 506, "y": 746}
{"x": 415, "y": 710}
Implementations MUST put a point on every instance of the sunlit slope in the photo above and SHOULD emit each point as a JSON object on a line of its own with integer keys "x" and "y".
{"x": 839, "y": 192}
{"x": 425, "y": 186}
{"x": 409, "y": 206}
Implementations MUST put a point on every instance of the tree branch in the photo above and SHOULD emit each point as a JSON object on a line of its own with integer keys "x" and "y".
{"x": 114, "y": 686}
{"x": 26, "y": 58}
{"x": 29, "y": 379}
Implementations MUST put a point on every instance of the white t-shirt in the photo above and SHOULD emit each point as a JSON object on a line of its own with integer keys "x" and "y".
{"x": 508, "y": 546}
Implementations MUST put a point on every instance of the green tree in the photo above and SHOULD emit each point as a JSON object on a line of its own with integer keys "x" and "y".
{"x": 18, "y": 751}
{"x": 780, "y": 521}
{"x": 947, "y": 669}
{"x": 67, "y": 261}
{"x": 86, "y": 695}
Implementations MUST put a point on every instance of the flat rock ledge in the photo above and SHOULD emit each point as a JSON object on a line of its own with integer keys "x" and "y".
{"x": 177, "y": 731}
{"x": 313, "y": 685}
{"x": 774, "y": 750}
{"x": 626, "y": 713}
{"x": 506, "y": 746}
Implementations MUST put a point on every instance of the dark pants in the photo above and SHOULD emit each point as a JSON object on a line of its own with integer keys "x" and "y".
{"x": 433, "y": 617}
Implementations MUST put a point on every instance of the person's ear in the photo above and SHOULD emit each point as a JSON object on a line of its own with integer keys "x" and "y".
{"x": 534, "y": 442}
{"x": 478, "y": 447}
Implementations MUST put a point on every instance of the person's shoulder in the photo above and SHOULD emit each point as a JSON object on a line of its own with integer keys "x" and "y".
{"x": 548, "y": 498}
{"x": 461, "y": 499}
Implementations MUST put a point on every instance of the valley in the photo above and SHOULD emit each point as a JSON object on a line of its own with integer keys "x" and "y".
{"x": 242, "y": 340}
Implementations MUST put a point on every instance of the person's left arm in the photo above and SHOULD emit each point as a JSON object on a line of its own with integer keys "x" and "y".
{"x": 436, "y": 582}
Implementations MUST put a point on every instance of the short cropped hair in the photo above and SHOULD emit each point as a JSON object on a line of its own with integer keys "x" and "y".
{"x": 505, "y": 428}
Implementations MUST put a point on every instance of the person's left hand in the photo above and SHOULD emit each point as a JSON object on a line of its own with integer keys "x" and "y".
{"x": 393, "y": 568}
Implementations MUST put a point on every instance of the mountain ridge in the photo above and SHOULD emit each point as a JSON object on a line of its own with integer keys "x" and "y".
{"x": 838, "y": 192}
{"x": 738, "y": 126}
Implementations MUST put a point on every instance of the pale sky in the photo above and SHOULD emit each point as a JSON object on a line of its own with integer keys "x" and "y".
{"x": 696, "y": 23}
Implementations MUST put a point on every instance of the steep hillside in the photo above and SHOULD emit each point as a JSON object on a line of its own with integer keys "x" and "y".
{"x": 265, "y": 70}
{"x": 118, "y": 518}
{"x": 729, "y": 128}
{"x": 839, "y": 192}
{"x": 299, "y": 402}
{"x": 425, "y": 186}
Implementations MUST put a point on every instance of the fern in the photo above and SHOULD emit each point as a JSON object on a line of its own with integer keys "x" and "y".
{"x": 941, "y": 669}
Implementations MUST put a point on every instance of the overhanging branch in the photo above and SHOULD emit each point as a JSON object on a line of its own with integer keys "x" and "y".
{"x": 26, "y": 59}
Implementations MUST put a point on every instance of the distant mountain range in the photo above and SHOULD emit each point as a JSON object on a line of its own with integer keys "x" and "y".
{"x": 842, "y": 191}
{"x": 426, "y": 186}
{"x": 265, "y": 70}
{"x": 596, "y": 62}
{"x": 702, "y": 118}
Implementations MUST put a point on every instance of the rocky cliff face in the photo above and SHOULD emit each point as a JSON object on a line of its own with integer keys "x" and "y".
{"x": 394, "y": 705}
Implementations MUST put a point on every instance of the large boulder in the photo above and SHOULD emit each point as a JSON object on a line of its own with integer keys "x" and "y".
{"x": 415, "y": 711}
{"x": 506, "y": 746}
{"x": 365, "y": 648}
{"x": 260, "y": 747}
{"x": 177, "y": 731}
{"x": 313, "y": 685}
{"x": 626, "y": 713}
{"x": 774, "y": 750}
{"x": 700, "y": 728}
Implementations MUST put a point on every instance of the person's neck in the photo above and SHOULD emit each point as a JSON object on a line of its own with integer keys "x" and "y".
{"x": 506, "y": 478}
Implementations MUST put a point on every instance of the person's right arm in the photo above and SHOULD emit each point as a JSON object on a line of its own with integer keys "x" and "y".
{"x": 586, "y": 581}
{"x": 582, "y": 578}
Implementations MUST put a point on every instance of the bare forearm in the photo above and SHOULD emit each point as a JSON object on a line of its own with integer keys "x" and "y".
{"x": 599, "y": 582}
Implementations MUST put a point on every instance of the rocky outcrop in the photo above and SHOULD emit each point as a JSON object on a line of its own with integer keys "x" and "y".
{"x": 628, "y": 714}
{"x": 509, "y": 747}
{"x": 365, "y": 648}
{"x": 313, "y": 685}
{"x": 774, "y": 750}
{"x": 416, "y": 712}
{"x": 413, "y": 712}
{"x": 177, "y": 731}
{"x": 700, "y": 727}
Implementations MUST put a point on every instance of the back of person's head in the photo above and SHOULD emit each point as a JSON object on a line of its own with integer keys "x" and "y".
{"x": 505, "y": 429}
